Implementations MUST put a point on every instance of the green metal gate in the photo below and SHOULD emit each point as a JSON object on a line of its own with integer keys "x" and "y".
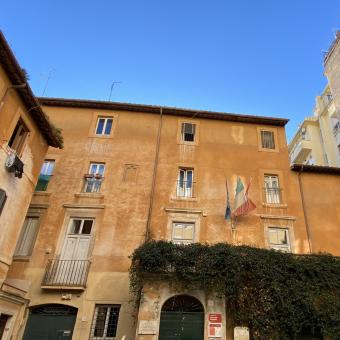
{"x": 50, "y": 322}
{"x": 182, "y": 318}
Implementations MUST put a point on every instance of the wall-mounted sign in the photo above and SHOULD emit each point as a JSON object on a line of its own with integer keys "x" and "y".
{"x": 147, "y": 327}
{"x": 215, "y": 330}
{"x": 241, "y": 333}
{"x": 215, "y": 318}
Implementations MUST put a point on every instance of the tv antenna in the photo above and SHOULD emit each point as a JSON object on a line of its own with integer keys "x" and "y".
{"x": 112, "y": 85}
{"x": 49, "y": 76}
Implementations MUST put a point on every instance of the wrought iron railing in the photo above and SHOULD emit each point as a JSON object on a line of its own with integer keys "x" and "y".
{"x": 273, "y": 195}
{"x": 66, "y": 273}
{"x": 185, "y": 189}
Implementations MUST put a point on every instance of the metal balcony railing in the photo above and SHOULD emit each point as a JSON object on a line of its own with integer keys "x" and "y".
{"x": 185, "y": 189}
{"x": 273, "y": 195}
{"x": 66, "y": 273}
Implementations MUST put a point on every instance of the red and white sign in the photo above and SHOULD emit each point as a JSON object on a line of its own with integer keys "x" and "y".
{"x": 215, "y": 318}
{"x": 215, "y": 330}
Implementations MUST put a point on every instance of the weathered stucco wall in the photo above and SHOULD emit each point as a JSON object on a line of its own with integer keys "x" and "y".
{"x": 222, "y": 151}
{"x": 322, "y": 200}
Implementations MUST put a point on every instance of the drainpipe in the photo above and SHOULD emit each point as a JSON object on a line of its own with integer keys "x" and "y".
{"x": 155, "y": 166}
{"x": 304, "y": 210}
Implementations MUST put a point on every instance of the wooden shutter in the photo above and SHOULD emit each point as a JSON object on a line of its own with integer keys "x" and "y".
{"x": 27, "y": 238}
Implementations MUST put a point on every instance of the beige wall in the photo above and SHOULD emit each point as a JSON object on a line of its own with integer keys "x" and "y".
{"x": 322, "y": 200}
{"x": 19, "y": 191}
{"x": 224, "y": 150}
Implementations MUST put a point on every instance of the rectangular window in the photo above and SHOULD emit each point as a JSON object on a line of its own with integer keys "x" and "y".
{"x": 183, "y": 232}
{"x": 94, "y": 179}
{"x": 279, "y": 239}
{"x": 185, "y": 182}
{"x": 188, "y": 132}
{"x": 105, "y": 321}
{"x": 3, "y": 198}
{"x": 18, "y": 138}
{"x": 27, "y": 237}
{"x": 80, "y": 226}
{"x": 45, "y": 175}
{"x": 272, "y": 189}
{"x": 104, "y": 126}
{"x": 267, "y": 140}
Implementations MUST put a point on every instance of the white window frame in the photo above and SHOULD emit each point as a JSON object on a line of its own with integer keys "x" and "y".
{"x": 285, "y": 248}
{"x": 47, "y": 167}
{"x": 272, "y": 192}
{"x": 25, "y": 233}
{"x": 183, "y": 188}
{"x": 265, "y": 144}
{"x": 182, "y": 240}
{"x": 106, "y": 119}
{"x": 82, "y": 219}
{"x": 194, "y": 128}
{"x": 94, "y": 321}
{"x": 93, "y": 184}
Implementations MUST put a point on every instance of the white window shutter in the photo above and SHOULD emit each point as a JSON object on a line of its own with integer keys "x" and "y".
{"x": 25, "y": 245}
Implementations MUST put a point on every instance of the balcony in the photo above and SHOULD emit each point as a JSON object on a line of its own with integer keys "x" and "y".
{"x": 66, "y": 274}
{"x": 272, "y": 195}
{"x": 185, "y": 189}
{"x": 300, "y": 151}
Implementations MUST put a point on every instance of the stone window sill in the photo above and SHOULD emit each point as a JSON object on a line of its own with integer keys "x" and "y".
{"x": 275, "y": 205}
{"x": 42, "y": 193}
{"x": 89, "y": 195}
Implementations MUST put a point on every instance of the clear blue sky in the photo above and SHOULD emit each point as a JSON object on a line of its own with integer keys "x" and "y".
{"x": 260, "y": 57}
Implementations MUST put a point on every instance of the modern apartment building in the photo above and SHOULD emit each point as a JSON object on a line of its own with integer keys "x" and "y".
{"x": 317, "y": 140}
{"x": 25, "y": 135}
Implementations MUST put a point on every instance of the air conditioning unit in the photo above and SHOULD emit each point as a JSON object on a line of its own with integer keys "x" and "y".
{"x": 14, "y": 164}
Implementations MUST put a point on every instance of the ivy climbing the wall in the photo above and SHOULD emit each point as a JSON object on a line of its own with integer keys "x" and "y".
{"x": 275, "y": 294}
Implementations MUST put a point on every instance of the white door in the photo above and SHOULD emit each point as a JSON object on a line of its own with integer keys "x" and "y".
{"x": 72, "y": 265}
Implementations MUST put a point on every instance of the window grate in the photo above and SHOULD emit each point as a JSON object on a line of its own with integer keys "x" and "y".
{"x": 105, "y": 321}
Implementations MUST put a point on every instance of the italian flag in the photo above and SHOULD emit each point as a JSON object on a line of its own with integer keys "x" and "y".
{"x": 242, "y": 205}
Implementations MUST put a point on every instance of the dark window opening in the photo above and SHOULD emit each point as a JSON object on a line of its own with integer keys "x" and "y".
{"x": 188, "y": 132}
{"x": 18, "y": 138}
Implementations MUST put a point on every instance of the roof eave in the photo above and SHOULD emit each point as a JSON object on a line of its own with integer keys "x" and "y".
{"x": 155, "y": 109}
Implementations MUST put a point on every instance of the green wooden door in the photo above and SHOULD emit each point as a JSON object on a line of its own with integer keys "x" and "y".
{"x": 50, "y": 322}
{"x": 181, "y": 326}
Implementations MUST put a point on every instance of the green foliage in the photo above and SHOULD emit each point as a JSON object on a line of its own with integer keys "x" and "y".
{"x": 270, "y": 292}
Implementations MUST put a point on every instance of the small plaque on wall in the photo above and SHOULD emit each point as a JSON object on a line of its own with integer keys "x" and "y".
{"x": 241, "y": 333}
{"x": 147, "y": 327}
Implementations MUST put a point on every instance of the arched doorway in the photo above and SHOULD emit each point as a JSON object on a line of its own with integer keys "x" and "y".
{"x": 182, "y": 318}
{"x": 52, "y": 322}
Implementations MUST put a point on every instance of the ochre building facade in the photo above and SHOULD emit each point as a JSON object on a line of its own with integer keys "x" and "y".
{"x": 25, "y": 135}
{"x": 128, "y": 171}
